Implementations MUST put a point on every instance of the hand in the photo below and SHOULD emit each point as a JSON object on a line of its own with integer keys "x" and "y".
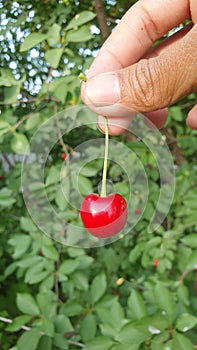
{"x": 129, "y": 75}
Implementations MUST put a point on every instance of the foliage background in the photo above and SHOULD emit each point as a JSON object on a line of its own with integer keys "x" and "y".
{"x": 137, "y": 293}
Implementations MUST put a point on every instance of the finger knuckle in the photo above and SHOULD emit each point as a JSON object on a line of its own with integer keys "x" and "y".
{"x": 145, "y": 84}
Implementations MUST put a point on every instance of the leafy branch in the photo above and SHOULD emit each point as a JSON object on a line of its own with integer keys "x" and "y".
{"x": 26, "y": 328}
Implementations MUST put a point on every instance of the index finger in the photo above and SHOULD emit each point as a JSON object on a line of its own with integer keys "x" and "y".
{"x": 140, "y": 27}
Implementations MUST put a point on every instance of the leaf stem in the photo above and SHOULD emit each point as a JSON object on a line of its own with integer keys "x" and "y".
{"x": 104, "y": 177}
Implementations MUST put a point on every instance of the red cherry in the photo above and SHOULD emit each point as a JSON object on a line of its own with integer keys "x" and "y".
{"x": 1, "y": 177}
{"x": 138, "y": 211}
{"x": 156, "y": 262}
{"x": 63, "y": 155}
{"x": 104, "y": 216}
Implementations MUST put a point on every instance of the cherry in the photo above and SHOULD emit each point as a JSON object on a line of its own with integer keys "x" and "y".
{"x": 63, "y": 155}
{"x": 1, "y": 177}
{"x": 156, "y": 262}
{"x": 104, "y": 216}
{"x": 138, "y": 211}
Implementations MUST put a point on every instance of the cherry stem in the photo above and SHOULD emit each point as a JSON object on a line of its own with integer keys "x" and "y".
{"x": 104, "y": 177}
{"x": 82, "y": 77}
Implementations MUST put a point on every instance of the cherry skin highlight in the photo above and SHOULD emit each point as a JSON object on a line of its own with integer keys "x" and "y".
{"x": 104, "y": 216}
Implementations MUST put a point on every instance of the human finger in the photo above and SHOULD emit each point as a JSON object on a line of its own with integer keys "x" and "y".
{"x": 192, "y": 118}
{"x": 144, "y": 23}
{"x": 148, "y": 85}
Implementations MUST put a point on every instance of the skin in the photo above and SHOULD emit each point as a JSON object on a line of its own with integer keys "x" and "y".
{"x": 148, "y": 79}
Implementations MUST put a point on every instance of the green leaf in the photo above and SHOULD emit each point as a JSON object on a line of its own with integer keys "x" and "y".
{"x": 98, "y": 287}
{"x": 159, "y": 340}
{"x": 21, "y": 244}
{"x": 61, "y": 197}
{"x": 20, "y": 144}
{"x": 10, "y": 269}
{"x": 181, "y": 342}
{"x": 47, "y": 326}
{"x": 135, "y": 253}
{"x": 122, "y": 347}
{"x": 136, "y": 305}
{"x": 7, "y": 78}
{"x": 183, "y": 294}
{"x": 6, "y": 198}
{"x": 45, "y": 343}
{"x": 17, "y": 323}
{"x": 167, "y": 346}
{"x": 186, "y": 322}
{"x": 84, "y": 262}
{"x": 32, "y": 40}
{"x": 53, "y": 176}
{"x": 47, "y": 302}
{"x": 113, "y": 316}
{"x": 29, "y": 261}
{"x": 154, "y": 324}
{"x": 62, "y": 324}
{"x": 132, "y": 333}
{"x": 26, "y": 304}
{"x": 61, "y": 92}
{"x": 60, "y": 341}
{"x": 72, "y": 308}
{"x": 11, "y": 93}
{"x": 84, "y": 185}
{"x": 75, "y": 252}
{"x": 190, "y": 240}
{"x": 88, "y": 328}
{"x": 80, "y": 18}
{"x": 53, "y": 34}
{"x": 53, "y": 57}
{"x": 4, "y": 127}
{"x": 79, "y": 35}
{"x": 176, "y": 113}
{"x": 33, "y": 121}
{"x": 68, "y": 266}
{"x": 88, "y": 118}
{"x": 50, "y": 252}
{"x": 111, "y": 259}
{"x": 27, "y": 224}
{"x": 33, "y": 277}
{"x": 191, "y": 263}
{"x": 164, "y": 300}
{"x": 99, "y": 343}
{"x": 31, "y": 338}
{"x": 80, "y": 280}
{"x": 89, "y": 170}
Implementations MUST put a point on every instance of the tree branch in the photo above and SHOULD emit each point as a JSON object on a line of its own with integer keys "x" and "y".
{"x": 102, "y": 20}
{"x": 31, "y": 100}
{"x": 26, "y": 328}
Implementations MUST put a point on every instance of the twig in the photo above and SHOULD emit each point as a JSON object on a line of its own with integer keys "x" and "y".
{"x": 102, "y": 20}
{"x": 26, "y": 328}
{"x": 183, "y": 275}
{"x": 6, "y": 159}
{"x": 20, "y": 121}
{"x": 56, "y": 284}
{"x": 7, "y": 320}
{"x": 59, "y": 133}
{"x": 51, "y": 98}
{"x": 73, "y": 342}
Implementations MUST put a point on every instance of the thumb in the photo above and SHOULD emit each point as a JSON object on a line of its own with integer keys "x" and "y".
{"x": 149, "y": 85}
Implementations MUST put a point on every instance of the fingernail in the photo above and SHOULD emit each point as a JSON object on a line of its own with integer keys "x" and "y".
{"x": 103, "y": 89}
